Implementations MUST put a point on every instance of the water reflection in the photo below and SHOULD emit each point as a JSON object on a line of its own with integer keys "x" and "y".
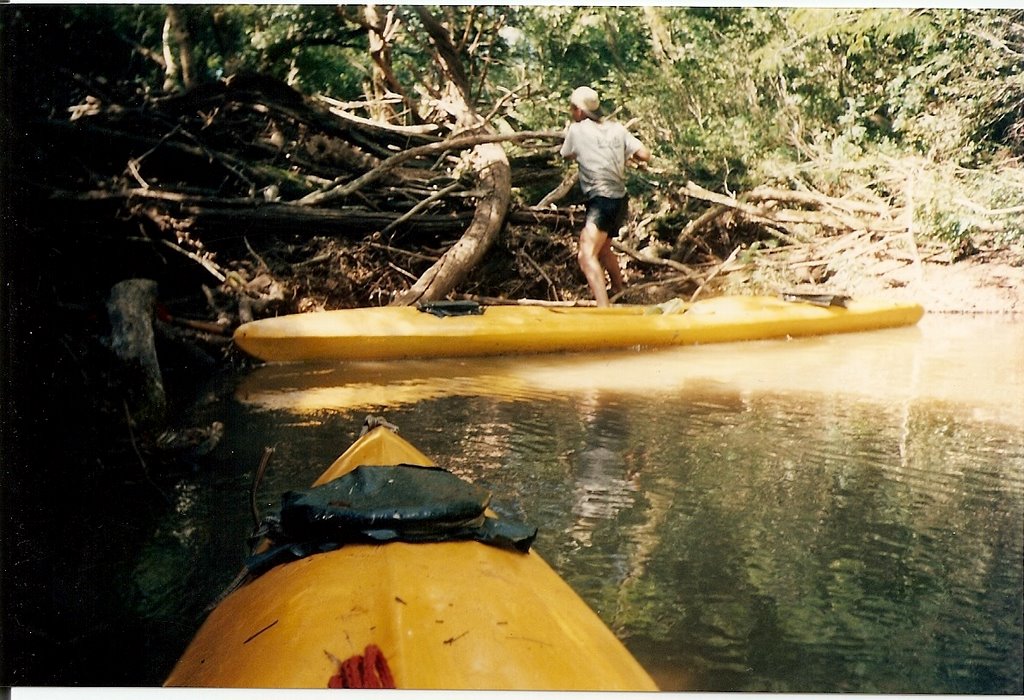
{"x": 602, "y": 475}
{"x": 973, "y": 362}
{"x": 823, "y": 515}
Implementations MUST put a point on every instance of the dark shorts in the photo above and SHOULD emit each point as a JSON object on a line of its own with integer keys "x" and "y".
{"x": 608, "y": 214}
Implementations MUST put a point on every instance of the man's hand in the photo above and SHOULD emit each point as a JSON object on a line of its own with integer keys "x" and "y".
{"x": 641, "y": 158}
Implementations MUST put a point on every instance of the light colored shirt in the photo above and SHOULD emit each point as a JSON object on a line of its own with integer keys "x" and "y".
{"x": 601, "y": 149}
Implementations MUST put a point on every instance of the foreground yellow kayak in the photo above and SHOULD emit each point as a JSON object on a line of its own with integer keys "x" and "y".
{"x": 441, "y": 615}
{"x": 396, "y": 332}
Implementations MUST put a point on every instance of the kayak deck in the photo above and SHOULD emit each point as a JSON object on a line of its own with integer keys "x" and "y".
{"x": 406, "y": 332}
{"x": 447, "y": 615}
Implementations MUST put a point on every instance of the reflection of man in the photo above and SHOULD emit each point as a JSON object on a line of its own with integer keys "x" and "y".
{"x": 601, "y": 148}
{"x": 602, "y": 482}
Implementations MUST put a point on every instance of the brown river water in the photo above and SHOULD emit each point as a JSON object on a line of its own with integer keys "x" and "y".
{"x": 835, "y": 514}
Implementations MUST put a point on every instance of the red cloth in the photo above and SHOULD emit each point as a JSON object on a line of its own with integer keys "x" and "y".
{"x": 370, "y": 670}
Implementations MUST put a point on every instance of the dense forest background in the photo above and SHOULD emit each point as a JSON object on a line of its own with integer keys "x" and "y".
{"x": 251, "y": 160}
{"x": 303, "y": 157}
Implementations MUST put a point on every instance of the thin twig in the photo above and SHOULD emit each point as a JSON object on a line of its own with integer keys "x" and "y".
{"x": 540, "y": 271}
{"x": 650, "y": 259}
{"x": 420, "y": 207}
{"x": 133, "y": 163}
{"x": 400, "y": 271}
{"x": 210, "y": 266}
{"x": 714, "y": 273}
{"x": 256, "y": 255}
{"x": 402, "y": 251}
{"x": 138, "y": 453}
{"x": 268, "y": 452}
{"x": 509, "y": 94}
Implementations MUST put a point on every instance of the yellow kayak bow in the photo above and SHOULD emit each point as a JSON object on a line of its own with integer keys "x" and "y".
{"x": 444, "y": 615}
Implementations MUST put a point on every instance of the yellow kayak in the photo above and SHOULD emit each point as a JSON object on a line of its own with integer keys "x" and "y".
{"x": 441, "y": 615}
{"x": 397, "y": 332}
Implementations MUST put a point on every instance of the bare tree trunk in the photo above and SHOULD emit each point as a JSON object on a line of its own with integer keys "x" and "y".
{"x": 445, "y": 54}
{"x": 494, "y": 176}
{"x": 661, "y": 38}
{"x": 178, "y": 71}
{"x": 171, "y": 69}
{"x": 444, "y": 275}
{"x": 381, "y": 31}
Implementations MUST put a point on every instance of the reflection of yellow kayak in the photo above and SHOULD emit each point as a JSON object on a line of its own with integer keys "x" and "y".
{"x": 443, "y": 615}
{"x": 394, "y": 332}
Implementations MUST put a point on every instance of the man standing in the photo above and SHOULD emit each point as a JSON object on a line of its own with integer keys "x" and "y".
{"x": 601, "y": 148}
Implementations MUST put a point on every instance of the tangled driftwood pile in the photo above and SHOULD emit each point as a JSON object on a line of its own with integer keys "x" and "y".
{"x": 289, "y": 202}
{"x": 250, "y": 158}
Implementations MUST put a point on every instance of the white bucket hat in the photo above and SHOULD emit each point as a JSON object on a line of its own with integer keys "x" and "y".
{"x": 586, "y": 99}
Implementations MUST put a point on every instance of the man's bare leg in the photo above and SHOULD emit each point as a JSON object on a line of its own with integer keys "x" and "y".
{"x": 610, "y": 261}
{"x": 592, "y": 240}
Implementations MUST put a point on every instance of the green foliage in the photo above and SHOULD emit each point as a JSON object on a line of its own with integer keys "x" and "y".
{"x": 954, "y": 204}
{"x": 731, "y": 97}
{"x": 942, "y": 83}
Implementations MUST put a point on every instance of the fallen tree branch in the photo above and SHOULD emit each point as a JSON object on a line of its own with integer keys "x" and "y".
{"x": 553, "y": 218}
{"x": 223, "y": 218}
{"x": 400, "y": 251}
{"x": 501, "y": 301}
{"x": 690, "y": 230}
{"x": 568, "y": 182}
{"x": 974, "y": 206}
{"x": 338, "y": 109}
{"x": 650, "y": 259}
{"x": 495, "y": 178}
{"x": 838, "y": 221}
{"x": 209, "y": 265}
{"x": 533, "y": 263}
{"x": 814, "y": 199}
{"x": 339, "y": 191}
{"x": 421, "y": 206}
{"x": 714, "y": 273}
{"x": 230, "y": 163}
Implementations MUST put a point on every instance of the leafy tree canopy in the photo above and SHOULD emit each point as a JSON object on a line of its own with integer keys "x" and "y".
{"x": 729, "y": 97}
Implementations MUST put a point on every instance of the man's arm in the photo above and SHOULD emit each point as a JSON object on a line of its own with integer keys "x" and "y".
{"x": 568, "y": 149}
{"x": 637, "y": 151}
{"x": 642, "y": 154}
